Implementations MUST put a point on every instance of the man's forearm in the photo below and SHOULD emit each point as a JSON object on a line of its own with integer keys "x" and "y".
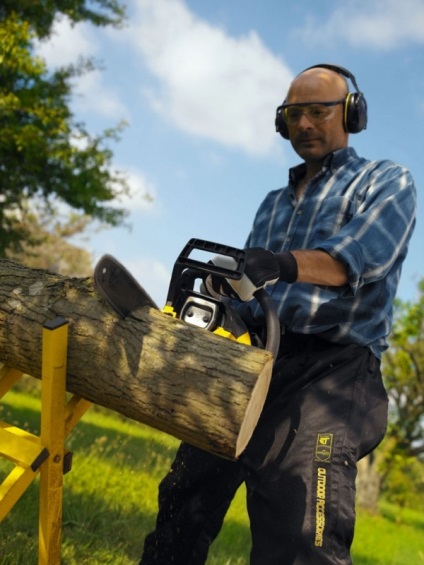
{"x": 318, "y": 267}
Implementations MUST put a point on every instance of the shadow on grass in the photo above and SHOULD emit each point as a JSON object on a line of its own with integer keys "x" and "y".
{"x": 359, "y": 559}
{"x": 141, "y": 449}
{"x": 91, "y": 524}
{"x": 92, "y": 531}
{"x": 95, "y": 532}
{"x": 402, "y": 516}
{"x": 98, "y": 528}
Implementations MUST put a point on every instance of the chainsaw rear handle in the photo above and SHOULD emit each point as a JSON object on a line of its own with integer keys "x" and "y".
{"x": 186, "y": 270}
{"x": 272, "y": 322}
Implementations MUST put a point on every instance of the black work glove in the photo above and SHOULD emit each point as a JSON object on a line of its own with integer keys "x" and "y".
{"x": 262, "y": 268}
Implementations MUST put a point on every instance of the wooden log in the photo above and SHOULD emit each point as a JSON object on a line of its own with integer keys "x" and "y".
{"x": 199, "y": 387}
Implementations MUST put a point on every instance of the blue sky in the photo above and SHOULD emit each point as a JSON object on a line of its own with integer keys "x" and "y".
{"x": 198, "y": 83}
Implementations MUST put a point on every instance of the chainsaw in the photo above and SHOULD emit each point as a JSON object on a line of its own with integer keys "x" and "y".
{"x": 186, "y": 298}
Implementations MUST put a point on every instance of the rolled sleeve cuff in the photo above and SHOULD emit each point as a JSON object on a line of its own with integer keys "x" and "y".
{"x": 350, "y": 253}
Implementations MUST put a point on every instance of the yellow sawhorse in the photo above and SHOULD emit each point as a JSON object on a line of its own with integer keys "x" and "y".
{"x": 44, "y": 454}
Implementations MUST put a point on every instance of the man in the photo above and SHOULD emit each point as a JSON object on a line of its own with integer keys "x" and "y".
{"x": 329, "y": 249}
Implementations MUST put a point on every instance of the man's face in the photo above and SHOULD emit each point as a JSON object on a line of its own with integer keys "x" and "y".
{"x": 311, "y": 137}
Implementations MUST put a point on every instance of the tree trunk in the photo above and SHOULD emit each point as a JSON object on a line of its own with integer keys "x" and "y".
{"x": 197, "y": 386}
{"x": 368, "y": 483}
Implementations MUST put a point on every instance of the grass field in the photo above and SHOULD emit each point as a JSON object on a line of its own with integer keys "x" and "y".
{"x": 110, "y": 501}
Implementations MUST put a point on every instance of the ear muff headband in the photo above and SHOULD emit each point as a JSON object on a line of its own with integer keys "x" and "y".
{"x": 354, "y": 111}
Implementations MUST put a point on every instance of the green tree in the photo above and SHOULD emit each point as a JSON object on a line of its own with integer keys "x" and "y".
{"x": 396, "y": 468}
{"x": 44, "y": 152}
{"x": 403, "y": 369}
{"x": 40, "y": 15}
{"x": 47, "y": 246}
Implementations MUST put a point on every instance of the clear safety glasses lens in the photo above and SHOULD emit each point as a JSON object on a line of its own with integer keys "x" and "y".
{"x": 315, "y": 112}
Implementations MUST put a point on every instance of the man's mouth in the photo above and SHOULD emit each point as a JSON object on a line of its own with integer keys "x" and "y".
{"x": 305, "y": 139}
{"x": 308, "y": 144}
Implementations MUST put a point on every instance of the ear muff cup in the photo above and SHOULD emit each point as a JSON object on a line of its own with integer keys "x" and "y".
{"x": 280, "y": 123}
{"x": 355, "y": 115}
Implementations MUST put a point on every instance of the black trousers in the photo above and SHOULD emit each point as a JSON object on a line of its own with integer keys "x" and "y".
{"x": 326, "y": 408}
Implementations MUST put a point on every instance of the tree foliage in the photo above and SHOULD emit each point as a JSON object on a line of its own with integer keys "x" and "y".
{"x": 403, "y": 369}
{"x": 41, "y": 14}
{"x": 404, "y": 377}
{"x": 46, "y": 245}
{"x": 44, "y": 151}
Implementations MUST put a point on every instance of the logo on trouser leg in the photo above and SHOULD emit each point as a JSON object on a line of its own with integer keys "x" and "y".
{"x": 323, "y": 455}
{"x": 320, "y": 506}
{"x": 324, "y": 447}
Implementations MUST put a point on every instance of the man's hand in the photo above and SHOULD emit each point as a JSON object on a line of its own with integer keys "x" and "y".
{"x": 262, "y": 268}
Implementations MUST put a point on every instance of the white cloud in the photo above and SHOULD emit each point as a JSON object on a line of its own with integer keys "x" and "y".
{"x": 209, "y": 83}
{"x": 67, "y": 43}
{"x": 379, "y": 24}
{"x": 66, "y": 46}
{"x": 93, "y": 95}
{"x": 142, "y": 195}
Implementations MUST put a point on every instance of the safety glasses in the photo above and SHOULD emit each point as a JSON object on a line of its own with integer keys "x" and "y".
{"x": 316, "y": 112}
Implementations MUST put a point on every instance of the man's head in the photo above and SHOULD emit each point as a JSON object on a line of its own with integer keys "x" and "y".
{"x": 318, "y": 112}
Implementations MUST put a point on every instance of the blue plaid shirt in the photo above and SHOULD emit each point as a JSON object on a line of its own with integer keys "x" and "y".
{"x": 360, "y": 212}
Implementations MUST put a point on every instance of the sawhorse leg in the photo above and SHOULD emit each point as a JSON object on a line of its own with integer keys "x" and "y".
{"x": 53, "y": 392}
{"x": 44, "y": 454}
{"x": 57, "y": 420}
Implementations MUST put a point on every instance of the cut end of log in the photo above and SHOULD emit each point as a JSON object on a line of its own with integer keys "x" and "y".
{"x": 254, "y": 408}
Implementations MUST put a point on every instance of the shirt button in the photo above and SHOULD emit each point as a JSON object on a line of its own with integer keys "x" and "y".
{"x": 299, "y": 212}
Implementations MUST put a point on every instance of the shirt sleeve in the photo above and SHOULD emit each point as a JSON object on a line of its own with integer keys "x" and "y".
{"x": 377, "y": 236}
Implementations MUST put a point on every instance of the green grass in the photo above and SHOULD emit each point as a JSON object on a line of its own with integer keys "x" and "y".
{"x": 110, "y": 501}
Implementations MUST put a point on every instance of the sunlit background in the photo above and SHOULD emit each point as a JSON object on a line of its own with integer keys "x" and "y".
{"x": 198, "y": 83}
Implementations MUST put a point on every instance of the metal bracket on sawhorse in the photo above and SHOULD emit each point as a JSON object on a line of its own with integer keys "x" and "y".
{"x": 44, "y": 454}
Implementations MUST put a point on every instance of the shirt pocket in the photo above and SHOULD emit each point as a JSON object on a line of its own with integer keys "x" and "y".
{"x": 332, "y": 214}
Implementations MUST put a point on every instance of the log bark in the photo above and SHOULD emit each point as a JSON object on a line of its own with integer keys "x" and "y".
{"x": 197, "y": 386}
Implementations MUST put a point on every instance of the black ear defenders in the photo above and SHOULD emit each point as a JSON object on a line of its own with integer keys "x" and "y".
{"x": 354, "y": 108}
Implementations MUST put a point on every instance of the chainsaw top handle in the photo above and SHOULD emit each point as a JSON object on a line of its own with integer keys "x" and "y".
{"x": 186, "y": 270}
{"x": 185, "y": 261}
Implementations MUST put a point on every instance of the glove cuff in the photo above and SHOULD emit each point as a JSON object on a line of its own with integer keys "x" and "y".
{"x": 288, "y": 267}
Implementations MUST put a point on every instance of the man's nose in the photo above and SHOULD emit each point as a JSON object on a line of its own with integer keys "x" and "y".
{"x": 304, "y": 122}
